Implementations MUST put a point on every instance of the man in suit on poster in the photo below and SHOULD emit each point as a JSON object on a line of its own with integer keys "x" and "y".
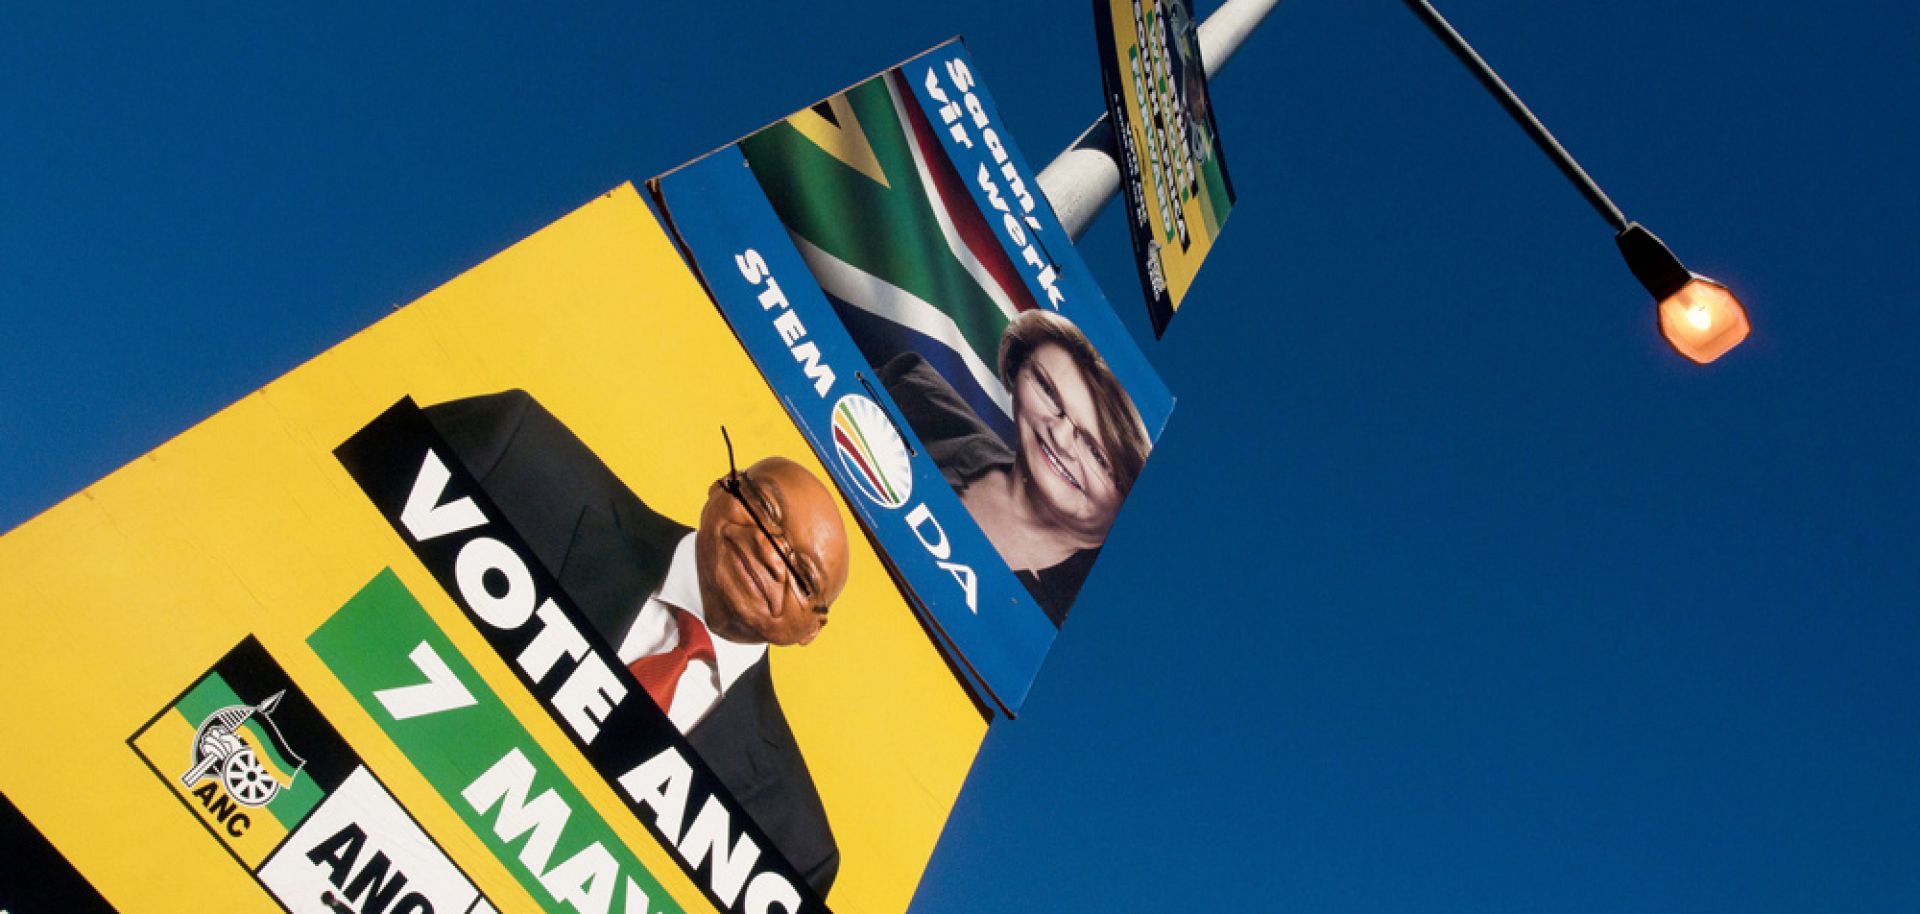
{"x": 691, "y": 612}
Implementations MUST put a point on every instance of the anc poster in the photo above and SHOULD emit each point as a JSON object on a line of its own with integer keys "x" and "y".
{"x": 887, "y": 258}
{"x": 1171, "y": 164}
{"x": 479, "y": 611}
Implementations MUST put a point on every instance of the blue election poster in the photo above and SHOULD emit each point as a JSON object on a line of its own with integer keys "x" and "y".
{"x": 888, "y": 261}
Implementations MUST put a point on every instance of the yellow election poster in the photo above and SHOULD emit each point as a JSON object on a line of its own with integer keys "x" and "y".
{"x": 1173, "y": 168}
{"x": 529, "y": 597}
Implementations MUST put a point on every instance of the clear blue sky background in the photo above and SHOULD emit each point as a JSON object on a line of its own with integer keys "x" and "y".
{"x": 1449, "y": 588}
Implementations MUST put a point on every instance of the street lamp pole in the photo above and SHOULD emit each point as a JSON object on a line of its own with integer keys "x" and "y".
{"x": 1521, "y": 114}
{"x": 1083, "y": 177}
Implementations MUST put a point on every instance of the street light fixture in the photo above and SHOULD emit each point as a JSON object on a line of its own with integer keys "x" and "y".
{"x": 1698, "y": 316}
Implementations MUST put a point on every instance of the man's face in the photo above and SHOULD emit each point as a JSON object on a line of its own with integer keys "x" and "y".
{"x": 746, "y": 588}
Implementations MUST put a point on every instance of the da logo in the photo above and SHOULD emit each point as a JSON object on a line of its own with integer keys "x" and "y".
{"x": 872, "y": 451}
{"x": 221, "y": 749}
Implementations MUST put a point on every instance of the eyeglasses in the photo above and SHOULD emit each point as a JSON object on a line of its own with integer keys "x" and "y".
{"x": 1055, "y": 404}
{"x": 755, "y": 501}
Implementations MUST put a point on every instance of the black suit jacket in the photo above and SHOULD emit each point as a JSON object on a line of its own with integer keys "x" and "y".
{"x": 610, "y": 552}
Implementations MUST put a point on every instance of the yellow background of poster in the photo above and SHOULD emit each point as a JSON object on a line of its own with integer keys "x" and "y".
{"x": 124, "y": 594}
{"x": 1204, "y": 212}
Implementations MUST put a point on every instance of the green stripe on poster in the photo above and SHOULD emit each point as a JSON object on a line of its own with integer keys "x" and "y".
{"x": 1218, "y": 201}
{"x": 478, "y": 757}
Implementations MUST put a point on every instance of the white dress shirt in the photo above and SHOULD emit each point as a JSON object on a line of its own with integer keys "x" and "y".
{"x": 654, "y": 631}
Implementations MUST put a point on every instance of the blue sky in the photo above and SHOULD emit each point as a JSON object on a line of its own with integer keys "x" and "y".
{"x": 1449, "y": 586}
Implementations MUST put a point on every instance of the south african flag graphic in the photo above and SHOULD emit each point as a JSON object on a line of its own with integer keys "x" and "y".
{"x": 894, "y": 237}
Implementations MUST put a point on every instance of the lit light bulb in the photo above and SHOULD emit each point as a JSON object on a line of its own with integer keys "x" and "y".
{"x": 1703, "y": 320}
{"x": 1700, "y": 317}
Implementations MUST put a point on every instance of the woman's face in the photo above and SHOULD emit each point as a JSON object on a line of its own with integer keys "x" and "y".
{"x": 1068, "y": 470}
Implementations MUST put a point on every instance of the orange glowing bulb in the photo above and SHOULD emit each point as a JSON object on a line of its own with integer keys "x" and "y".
{"x": 1699, "y": 317}
{"x": 1703, "y": 320}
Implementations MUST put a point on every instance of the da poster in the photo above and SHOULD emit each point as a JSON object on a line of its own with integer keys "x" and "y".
{"x": 889, "y": 261}
{"x": 480, "y": 611}
{"x": 1171, "y": 164}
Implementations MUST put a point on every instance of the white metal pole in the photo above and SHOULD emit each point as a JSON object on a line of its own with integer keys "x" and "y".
{"x": 1082, "y": 178}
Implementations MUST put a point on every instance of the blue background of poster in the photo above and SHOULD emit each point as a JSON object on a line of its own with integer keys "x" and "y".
{"x": 718, "y": 211}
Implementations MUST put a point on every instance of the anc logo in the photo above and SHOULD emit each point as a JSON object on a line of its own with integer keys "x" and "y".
{"x": 223, "y": 746}
{"x": 872, "y": 451}
{"x": 220, "y": 750}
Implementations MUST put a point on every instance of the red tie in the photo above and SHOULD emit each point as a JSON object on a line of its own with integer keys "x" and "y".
{"x": 660, "y": 673}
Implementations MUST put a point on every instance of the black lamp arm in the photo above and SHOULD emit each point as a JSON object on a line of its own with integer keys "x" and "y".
{"x": 1444, "y": 30}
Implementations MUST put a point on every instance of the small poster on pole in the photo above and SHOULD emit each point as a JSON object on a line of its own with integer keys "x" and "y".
{"x": 1171, "y": 164}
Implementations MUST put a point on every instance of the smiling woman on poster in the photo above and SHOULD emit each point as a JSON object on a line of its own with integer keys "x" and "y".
{"x": 1047, "y": 502}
